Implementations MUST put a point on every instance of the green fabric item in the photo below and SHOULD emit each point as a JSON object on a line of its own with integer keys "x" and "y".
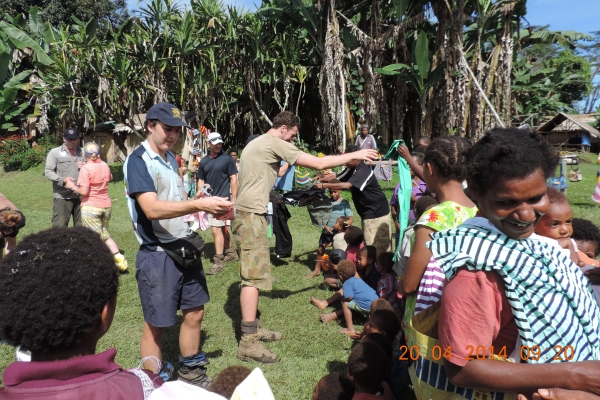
{"x": 319, "y": 212}
{"x": 405, "y": 189}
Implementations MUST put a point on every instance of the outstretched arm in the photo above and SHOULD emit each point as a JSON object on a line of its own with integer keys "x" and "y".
{"x": 319, "y": 163}
{"x": 159, "y": 209}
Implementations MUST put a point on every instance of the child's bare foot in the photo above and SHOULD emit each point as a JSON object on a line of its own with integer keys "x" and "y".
{"x": 322, "y": 304}
{"x": 328, "y": 317}
{"x": 347, "y": 331}
{"x": 313, "y": 274}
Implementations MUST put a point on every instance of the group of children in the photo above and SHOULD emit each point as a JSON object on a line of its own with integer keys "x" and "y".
{"x": 366, "y": 284}
{"x": 414, "y": 280}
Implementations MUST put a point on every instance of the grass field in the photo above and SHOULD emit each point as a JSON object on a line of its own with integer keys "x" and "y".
{"x": 309, "y": 349}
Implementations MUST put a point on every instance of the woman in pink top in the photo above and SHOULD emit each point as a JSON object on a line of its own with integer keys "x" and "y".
{"x": 96, "y": 207}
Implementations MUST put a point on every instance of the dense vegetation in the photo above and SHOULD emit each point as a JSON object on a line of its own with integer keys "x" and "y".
{"x": 405, "y": 67}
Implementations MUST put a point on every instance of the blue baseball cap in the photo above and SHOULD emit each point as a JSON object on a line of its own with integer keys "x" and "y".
{"x": 168, "y": 114}
{"x": 71, "y": 133}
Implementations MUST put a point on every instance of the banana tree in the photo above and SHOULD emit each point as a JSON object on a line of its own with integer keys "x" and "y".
{"x": 16, "y": 82}
{"x": 419, "y": 76}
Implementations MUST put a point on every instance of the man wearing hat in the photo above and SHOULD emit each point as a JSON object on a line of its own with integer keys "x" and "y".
{"x": 62, "y": 166}
{"x": 166, "y": 282}
{"x": 219, "y": 172}
{"x": 365, "y": 140}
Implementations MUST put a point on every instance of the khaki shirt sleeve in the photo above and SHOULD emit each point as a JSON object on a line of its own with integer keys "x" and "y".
{"x": 287, "y": 151}
{"x": 50, "y": 168}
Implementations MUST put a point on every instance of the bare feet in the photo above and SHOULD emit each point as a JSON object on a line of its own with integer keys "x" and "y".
{"x": 313, "y": 274}
{"x": 347, "y": 331}
{"x": 328, "y": 317}
{"x": 322, "y": 304}
{"x": 356, "y": 335}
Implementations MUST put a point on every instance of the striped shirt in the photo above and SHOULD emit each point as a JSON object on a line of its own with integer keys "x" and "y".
{"x": 551, "y": 300}
{"x": 387, "y": 288}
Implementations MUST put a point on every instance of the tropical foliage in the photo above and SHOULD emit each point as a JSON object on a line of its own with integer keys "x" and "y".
{"x": 405, "y": 67}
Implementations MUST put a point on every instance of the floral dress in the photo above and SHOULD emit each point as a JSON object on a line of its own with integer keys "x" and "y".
{"x": 447, "y": 215}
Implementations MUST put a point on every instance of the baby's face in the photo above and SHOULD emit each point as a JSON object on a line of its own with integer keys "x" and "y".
{"x": 588, "y": 247}
{"x": 557, "y": 222}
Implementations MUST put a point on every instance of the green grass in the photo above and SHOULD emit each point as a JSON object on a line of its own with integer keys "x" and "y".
{"x": 309, "y": 349}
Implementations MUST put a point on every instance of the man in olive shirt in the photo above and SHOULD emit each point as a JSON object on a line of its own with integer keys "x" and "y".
{"x": 62, "y": 165}
{"x": 260, "y": 163}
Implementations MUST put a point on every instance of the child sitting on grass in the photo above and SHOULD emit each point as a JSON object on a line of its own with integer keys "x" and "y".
{"x": 355, "y": 239}
{"x": 587, "y": 238}
{"x": 367, "y": 371}
{"x": 365, "y": 266}
{"x": 342, "y": 223}
{"x": 330, "y": 263}
{"x": 387, "y": 286}
{"x": 340, "y": 208}
{"x": 333, "y": 387}
{"x": 355, "y": 295}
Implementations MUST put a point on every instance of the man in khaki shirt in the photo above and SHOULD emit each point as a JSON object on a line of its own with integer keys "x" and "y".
{"x": 260, "y": 163}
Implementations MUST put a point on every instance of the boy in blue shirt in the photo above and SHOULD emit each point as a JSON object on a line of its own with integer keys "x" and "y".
{"x": 355, "y": 295}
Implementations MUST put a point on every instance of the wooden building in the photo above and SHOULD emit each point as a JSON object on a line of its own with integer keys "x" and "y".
{"x": 571, "y": 132}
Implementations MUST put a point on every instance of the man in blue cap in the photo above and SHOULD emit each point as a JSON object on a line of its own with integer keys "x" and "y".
{"x": 169, "y": 271}
{"x": 62, "y": 166}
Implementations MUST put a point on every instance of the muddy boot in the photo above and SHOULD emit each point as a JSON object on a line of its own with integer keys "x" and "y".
{"x": 195, "y": 376}
{"x": 231, "y": 255}
{"x": 266, "y": 335}
{"x": 251, "y": 348}
{"x": 218, "y": 264}
{"x": 192, "y": 370}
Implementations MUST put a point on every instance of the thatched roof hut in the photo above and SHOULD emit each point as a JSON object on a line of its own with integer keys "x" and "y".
{"x": 568, "y": 131}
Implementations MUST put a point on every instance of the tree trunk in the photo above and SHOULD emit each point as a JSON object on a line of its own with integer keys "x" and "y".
{"x": 330, "y": 82}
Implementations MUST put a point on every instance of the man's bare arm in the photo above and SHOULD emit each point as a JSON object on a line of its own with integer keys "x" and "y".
{"x": 320, "y": 163}
{"x": 160, "y": 209}
{"x": 233, "y": 181}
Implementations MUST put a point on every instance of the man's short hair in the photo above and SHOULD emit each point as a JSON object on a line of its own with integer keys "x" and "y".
{"x": 54, "y": 286}
{"x": 346, "y": 269}
{"x": 351, "y": 149}
{"x": 365, "y": 365}
{"x": 286, "y": 118}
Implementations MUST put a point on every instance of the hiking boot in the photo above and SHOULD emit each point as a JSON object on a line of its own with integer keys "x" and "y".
{"x": 266, "y": 335}
{"x": 195, "y": 376}
{"x": 120, "y": 262}
{"x": 250, "y": 349}
{"x": 218, "y": 264}
{"x": 231, "y": 255}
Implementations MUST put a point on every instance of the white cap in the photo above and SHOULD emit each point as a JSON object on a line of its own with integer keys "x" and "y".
{"x": 214, "y": 138}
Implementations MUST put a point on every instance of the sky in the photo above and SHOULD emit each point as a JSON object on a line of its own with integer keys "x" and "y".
{"x": 577, "y": 15}
{"x": 574, "y": 15}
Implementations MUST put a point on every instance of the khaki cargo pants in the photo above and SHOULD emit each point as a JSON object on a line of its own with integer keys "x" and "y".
{"x": 250, "y": 231}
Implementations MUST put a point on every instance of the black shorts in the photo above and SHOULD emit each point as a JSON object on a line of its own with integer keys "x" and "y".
{"x": 325, "y": 238}
{"x": 165, "y": 288}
